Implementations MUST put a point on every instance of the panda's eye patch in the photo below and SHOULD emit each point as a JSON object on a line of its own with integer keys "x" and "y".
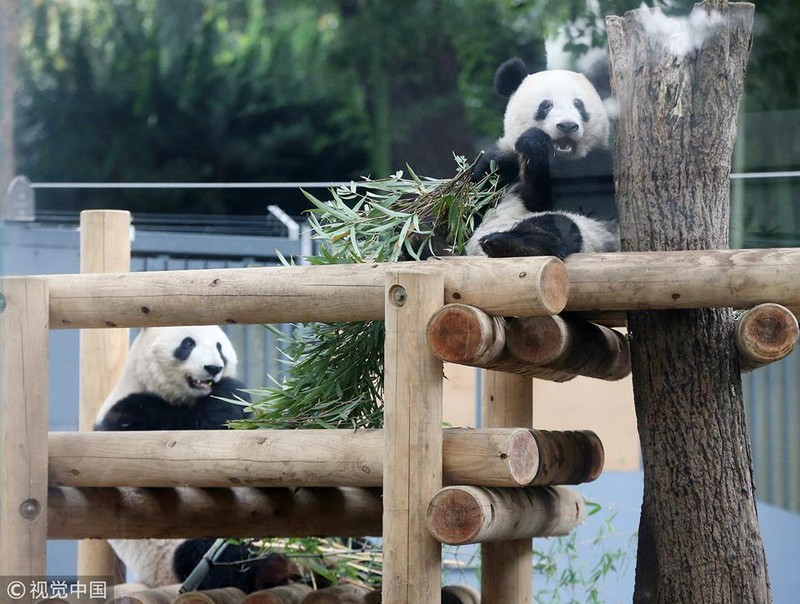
{"x": 544, "y": 108}
{"x": 183, "y": 351}
{"x": 581, "y": 109}
{"x": 221, "y": 354}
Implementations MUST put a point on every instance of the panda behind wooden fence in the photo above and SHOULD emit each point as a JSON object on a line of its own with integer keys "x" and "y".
{"x": 173, "y": 379}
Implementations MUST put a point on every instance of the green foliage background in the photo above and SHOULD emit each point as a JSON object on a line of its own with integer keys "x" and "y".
{"x": 278, "y": 90}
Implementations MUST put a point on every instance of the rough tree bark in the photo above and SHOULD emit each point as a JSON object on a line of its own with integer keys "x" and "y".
{"x": 679, "y": 85}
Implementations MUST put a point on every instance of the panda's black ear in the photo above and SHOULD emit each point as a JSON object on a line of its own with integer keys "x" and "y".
{"x": 509, "y": 76}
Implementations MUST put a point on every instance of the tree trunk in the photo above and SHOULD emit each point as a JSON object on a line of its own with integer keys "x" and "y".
{"x": 9, "y": 49}
{"x": 679, "y": 90}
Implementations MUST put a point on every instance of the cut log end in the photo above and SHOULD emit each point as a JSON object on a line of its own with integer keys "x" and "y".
{"x": 455, "y": 516}
{"x": 553, "y": 284}
{"x": 764, "y": 334}
{"x": 464, "y": 514}
{"x": 522, "y": 457}
{"x": 459, "y": 333}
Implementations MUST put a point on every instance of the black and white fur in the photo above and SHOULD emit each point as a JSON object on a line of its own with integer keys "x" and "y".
{"x": 554, "y": 157}
{"x": 173, "y": 379}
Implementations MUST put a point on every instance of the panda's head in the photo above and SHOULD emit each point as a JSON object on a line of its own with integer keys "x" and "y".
{"x": 181, "y": 364}
{"x": 562, "y": 103}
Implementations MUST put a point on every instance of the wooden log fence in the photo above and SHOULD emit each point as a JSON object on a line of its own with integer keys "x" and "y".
{"x": 507, "y": 400}
{"x": 502, "y": 457}
{"x": 461, "y": 515}
{"x": 101, "y": 355}
{"x": 549, "y": 347}
{"x": 683, "y": 279}
{"x": 499, "y": 286}
{"x": 137, "y": 513}
{"x": 343, "y": 292}
{"x": 412, "y": 458}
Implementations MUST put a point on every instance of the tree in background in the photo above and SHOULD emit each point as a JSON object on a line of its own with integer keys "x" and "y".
{"x": 275, "y": 90}
{"x": 255, "y": 90}
{"x": 9, "y": 45}
{"x": 184, "y": 90}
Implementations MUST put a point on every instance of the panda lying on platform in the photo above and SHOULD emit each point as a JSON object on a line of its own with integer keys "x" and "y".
{"x": 171, "y": 380}
{"x": 555, "y": 160}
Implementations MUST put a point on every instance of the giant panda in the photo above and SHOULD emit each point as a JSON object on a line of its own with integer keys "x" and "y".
{"x": 555, "y": 161}
{"x": 173, "y": 379}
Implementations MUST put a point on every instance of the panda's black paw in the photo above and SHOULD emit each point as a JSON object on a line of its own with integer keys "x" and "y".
{"x": 535, "y": 145}
{"x": 511, "y": 245}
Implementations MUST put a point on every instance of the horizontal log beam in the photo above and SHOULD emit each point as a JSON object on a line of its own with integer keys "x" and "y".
{"x": 466, "y": 335}
{"x": 460, "y": 514}
{"x": 341, "y": 292}
{"x": 260, "y": 458}
{"x": 135, "y": 513}
{"x": 574, "y": 457}
{"x": 684, "y": 279}
{"x": 550, "y": 347}
{"x": 569, "y": 344}
{"x": 499, "y": 286}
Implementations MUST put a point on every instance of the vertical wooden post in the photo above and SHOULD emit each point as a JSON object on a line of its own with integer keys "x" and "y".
{"x": 507, "y": 566}
{"x": 105, "y": 248}
{"x": 412, "y": 440}
{"x": 24, "y": 326}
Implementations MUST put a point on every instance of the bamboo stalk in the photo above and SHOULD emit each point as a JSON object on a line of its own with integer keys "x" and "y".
{"x": 23, "y": 427}
{"x": 461, "y": 515}
{"x": 412, "y": 439}
{"x": 135, "y": 513}
{"x": 342, "y": 292}
{"x": 764, "y": 334}
{"x": 275, "y": 458}
{"x": 105, "y": 248}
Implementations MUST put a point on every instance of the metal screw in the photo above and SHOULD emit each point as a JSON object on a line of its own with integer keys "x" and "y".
{"x": 399, "y": 295}
{"x": 29, "y": 509}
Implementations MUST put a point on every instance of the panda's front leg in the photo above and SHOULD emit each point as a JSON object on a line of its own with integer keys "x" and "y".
{"x": 535, "y": 148}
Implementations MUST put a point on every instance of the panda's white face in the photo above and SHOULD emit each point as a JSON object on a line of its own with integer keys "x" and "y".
{"x": 181, "y": 364}
{"x": 562, "y": 103}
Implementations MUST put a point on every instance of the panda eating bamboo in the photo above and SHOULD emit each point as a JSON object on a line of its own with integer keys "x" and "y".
{"x": 555, "y": 161}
